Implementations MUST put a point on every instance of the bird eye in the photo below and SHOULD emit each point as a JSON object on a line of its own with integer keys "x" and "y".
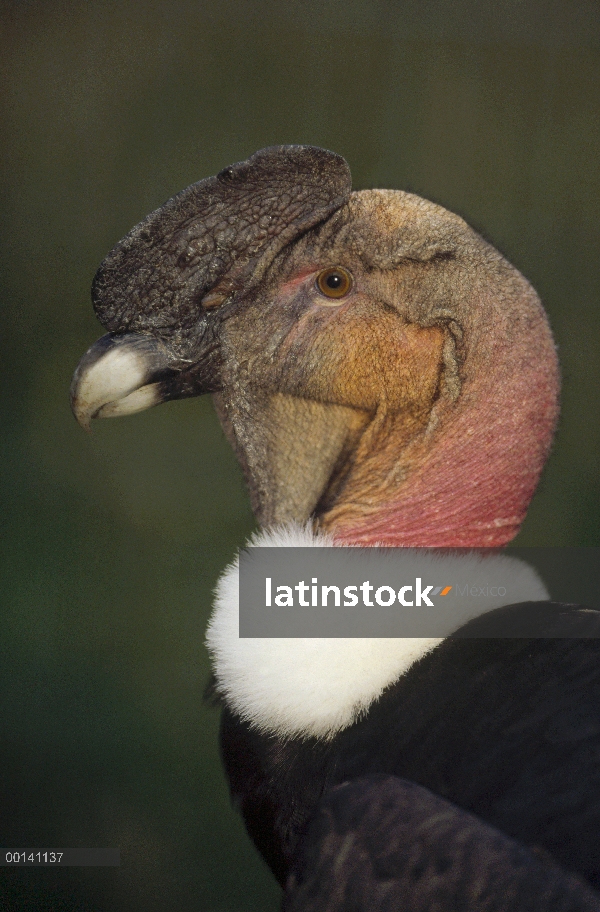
{"x": 334, "y": 282}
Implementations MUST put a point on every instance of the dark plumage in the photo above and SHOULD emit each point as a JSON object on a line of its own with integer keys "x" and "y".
{"x": 383, "y": 844}
{"x": 505, "y": 728}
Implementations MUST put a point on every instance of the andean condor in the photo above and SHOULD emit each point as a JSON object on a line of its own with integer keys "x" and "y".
{"x": 385, "y": 377}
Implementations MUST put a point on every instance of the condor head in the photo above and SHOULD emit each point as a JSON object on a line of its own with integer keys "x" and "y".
{"x": 376, "y": 365}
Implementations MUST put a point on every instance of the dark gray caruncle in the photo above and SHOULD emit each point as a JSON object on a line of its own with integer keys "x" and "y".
{"x": 222, "y": 231}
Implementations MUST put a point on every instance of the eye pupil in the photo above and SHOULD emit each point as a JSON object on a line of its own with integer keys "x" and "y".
{"x": 334, "y": 282}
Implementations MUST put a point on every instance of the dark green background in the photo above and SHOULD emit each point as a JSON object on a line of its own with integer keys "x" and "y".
{"x": 113, "y": 542}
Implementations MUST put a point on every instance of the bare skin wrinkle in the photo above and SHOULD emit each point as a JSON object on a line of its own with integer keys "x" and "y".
{"x": 416, "y": 409}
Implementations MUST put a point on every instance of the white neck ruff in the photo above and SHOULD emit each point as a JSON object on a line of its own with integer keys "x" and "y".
{"x": 317, "y": 687}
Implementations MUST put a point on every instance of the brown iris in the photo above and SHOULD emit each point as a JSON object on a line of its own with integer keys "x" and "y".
{"x": 334, "y": 282}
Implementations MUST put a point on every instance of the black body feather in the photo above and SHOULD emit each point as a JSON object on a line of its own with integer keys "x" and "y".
{"x": 506, "y": 728}
{"x": 385, "y": 844}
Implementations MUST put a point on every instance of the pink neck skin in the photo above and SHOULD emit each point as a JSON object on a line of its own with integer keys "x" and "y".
{"x": 472, "y": 486}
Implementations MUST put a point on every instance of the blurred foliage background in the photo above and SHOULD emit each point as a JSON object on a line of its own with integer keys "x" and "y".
{"x": 113, "y": 542}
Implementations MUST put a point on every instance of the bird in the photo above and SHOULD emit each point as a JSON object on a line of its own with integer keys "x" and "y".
{"x": 386, "y": 378}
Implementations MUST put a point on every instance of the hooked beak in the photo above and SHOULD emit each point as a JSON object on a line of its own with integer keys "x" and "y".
{"x": 126, "y": 373}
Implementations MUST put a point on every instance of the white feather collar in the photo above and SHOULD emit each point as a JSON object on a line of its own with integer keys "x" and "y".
{"x": 316, "y": 687}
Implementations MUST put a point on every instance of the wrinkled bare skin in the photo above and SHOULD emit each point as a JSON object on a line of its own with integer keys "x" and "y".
{"x": 350, "y": 408}
{"x": 214, "y": 239}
